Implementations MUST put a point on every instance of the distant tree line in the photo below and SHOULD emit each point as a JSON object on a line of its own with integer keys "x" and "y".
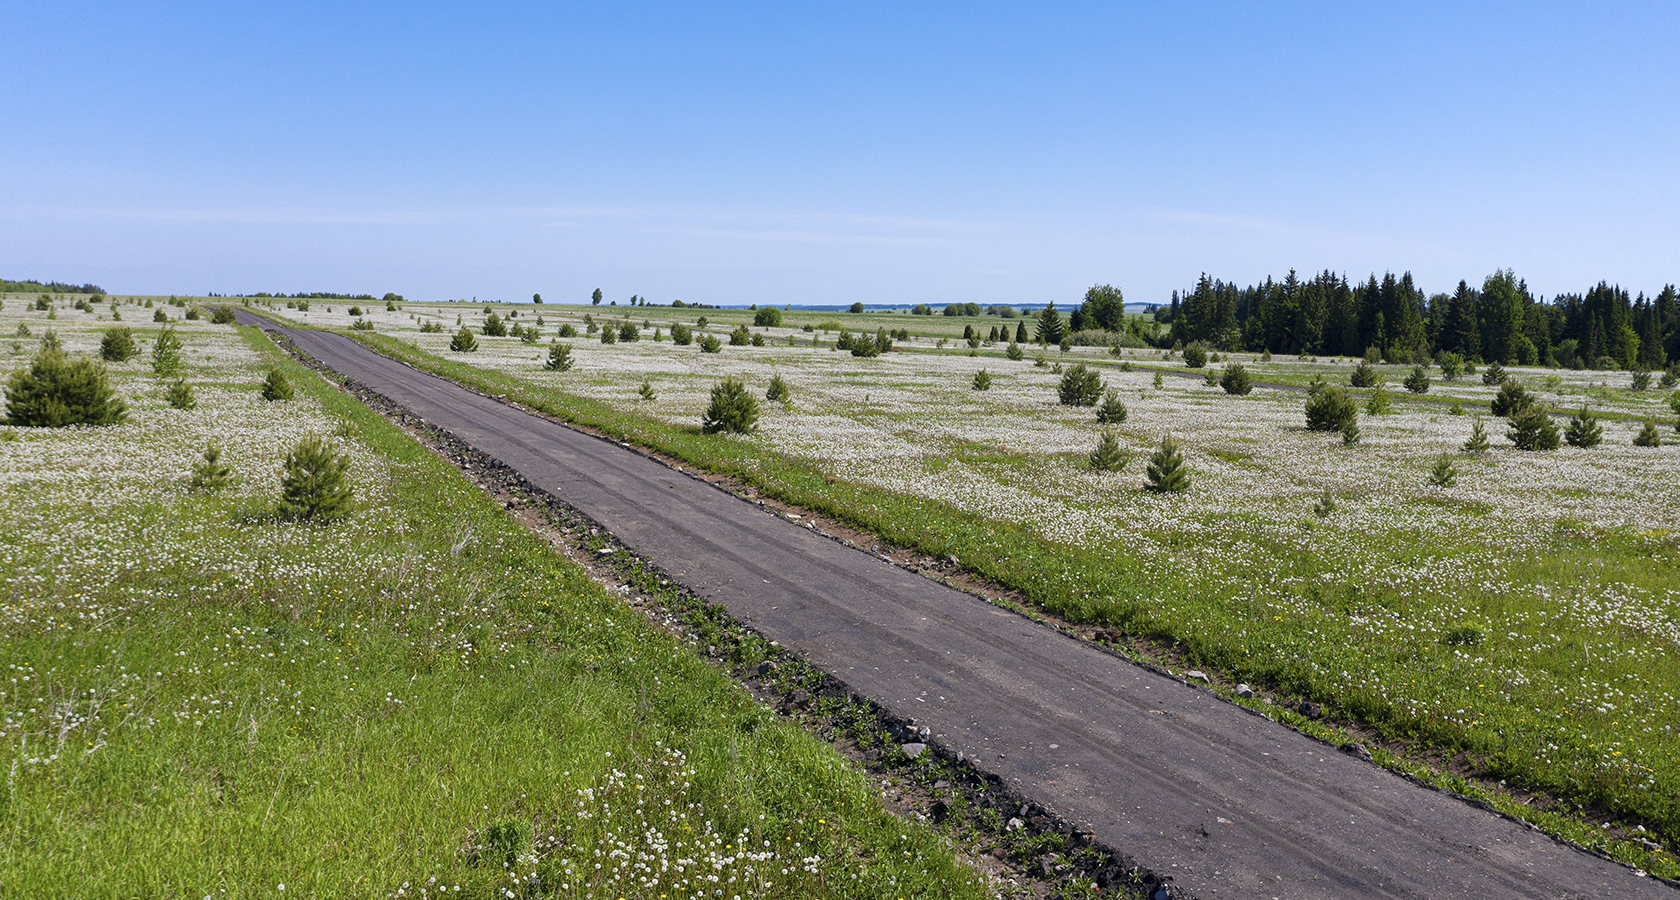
{"x": 1502, "y": 321}
{"x": 47, "y": 287}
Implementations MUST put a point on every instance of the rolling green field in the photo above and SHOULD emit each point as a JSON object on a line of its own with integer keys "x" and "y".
{"x": 1518, "y": 627}
{"x": 423, "y": 700}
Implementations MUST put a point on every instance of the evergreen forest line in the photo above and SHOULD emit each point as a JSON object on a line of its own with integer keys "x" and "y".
{"x": 1502, "y": 321}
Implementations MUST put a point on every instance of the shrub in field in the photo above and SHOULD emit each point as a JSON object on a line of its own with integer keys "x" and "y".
{"x": 356, "y": 311}
{"x": 277, "y": 386}
{"x": 158, "y": 315}
{"x": 1452, "y": 366}
{"x": 1532, "y": 429}
{"x": 1583, "y": 430}
{"x": 732, "y": 409}
{"x": 559, "y": 358}
{"x": 361, "y": 325}
{"x": 1014, "y": 352}
{"x": 628, "y": 333}
{"x": 209, "y": 475}
{"x": 1418, "y": 381}
{"x": 223, "y": 315}
{"x": 192, "y": 314}
{"x": 740, "y": 337}
{"x": 180, "y": 395}
{"x": 1195, "y": 355}
{"x": 1235, "y": 379}
{"x": 1648, "y": 436}
{"x": 710, "y": 344}
{"x": 609, "y": 335}
{"x": 463, "y": 341}
{"x": 1445, "y": 474}
{"x": 768, "y": 317}
{"x": 862, "y": 346}
{"x": 528, "y": 334}
{"x": 1167, "y": 472}
{"x": 56, "y": 390}
{"x": 1112, "y": 411}
{"x": 1477, "y": 443}
{"x": 1494, "y": 374}
{"x": 758, "y": 340}
{"x": 1330, "y": 409}
{"x": 1080, "y": 386}
{"x": 778, "y": 391}
{"x": 1641, "y": 380}
{"x": 1670, "y": 376}
{"x": 682, "y": 335}
{"x": 166, "y": 354}
{"x": 1511, "y": 399}
{"x": 1379, "y": 404}
{"x": 1108, "y": 457}
{"x": 315, "y": 484}
{"x": 567, "y": 330}
{"x": 1364, "y": 375}
{"x": 118, "y": 345}
{"x": 1350, "y": 432}
{"x": 646, "y": 391}
{"x": 494, "y": 326}
{"x": 982, "y": 380}
{"x": 431, "y": 328}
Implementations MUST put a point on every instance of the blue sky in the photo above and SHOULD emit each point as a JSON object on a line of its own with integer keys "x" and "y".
{"x": 797, "y": 153}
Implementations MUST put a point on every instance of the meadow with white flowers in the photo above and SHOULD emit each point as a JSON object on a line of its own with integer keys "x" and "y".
{"x": 199, "y": 698}
{"x": 1519, "y": 623}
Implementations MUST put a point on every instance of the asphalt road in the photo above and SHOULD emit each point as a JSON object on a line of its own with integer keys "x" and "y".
{"x": 1225, "y": 802}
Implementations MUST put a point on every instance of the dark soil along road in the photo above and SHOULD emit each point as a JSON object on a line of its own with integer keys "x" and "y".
{"x": 1225, "y": 802}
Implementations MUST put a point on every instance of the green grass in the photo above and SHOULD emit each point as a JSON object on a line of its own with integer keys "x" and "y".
{"x": 202, "y": 700}
{"x": 1502, "y": 708}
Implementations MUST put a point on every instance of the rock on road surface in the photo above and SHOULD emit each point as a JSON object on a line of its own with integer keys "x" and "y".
{"x": 1225, "y": 802}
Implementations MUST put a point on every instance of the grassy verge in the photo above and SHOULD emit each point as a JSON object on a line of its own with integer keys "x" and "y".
{"x": 204, "y": 700}
{"x": 1470, "y": 706}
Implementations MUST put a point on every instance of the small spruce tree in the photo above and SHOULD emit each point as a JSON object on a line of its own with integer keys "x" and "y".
{"x": 778, "y": 391}
{"x": 166, "y": 354}
{"x": 1532, "y": 429}
{"x": 1583, "y": 430}
{"x": 180, "y": 395}
{"x": 732, "y": 409}
{"x": 1350, "y": 432}
{"x": 1330, "y": 409}
{"x": 118, "y": 345}
{"x": 1235, "y": 379}
{"x": 1641, "y": 380}
{"x": 1648, "y": 436}
{"x": 1452, "y": 366}
{"x": 494, "y": 326}
{"x": 1326, "y": 505}
{"x": 1167, "y": 472}
{"x": 559, "y": 358}
{"x": 982, "y": 380}
{"x": 1108, "y": 456}
{"x": 1195, "y": 355}
{"x": 1477, "y": 443}
{"x": 710, "y": 344}
{"x": 1494, "y": 374}
{"x": 463, "y": 341}
{"x": 1418, "y": 381}
{"x": 277, "y": 386}
{"x": 1080, "y": 386}
{"x": 1112, "y": 411}
{"x": 609, "y": 334}
{"x": 1511, "y": 399}
{"x": 1379, "y": 403}
{"x": 315, "y": 483}
{"x": 646, "y": 391}
{"x": 1364, "y": 375}
{"x": 210, "y": 475}
{"x": 56, "y": 390}
{"x": 1445, "y": 474}
{"x": 1014, "y": 352}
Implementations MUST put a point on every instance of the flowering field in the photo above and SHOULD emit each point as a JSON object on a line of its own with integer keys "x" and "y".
{"x": 1524, "y": 621}
{"x": 202, "y": 699}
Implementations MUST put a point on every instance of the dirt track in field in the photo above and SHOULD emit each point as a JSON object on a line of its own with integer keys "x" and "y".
{"x": 1227, "y": 803}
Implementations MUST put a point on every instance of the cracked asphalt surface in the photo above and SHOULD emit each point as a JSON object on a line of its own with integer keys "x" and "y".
{"x": 1226, "y": 803}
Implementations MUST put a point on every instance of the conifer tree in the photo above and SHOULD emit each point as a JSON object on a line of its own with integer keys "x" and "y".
{"x": 315, "y": 485}
{"x": 494, "y": 326}
{"x": 1364, "y": 375}
{"x": 1477, "y": 443}
{"x": 463, "y": 341}
{"x": 1330, "y": 409}
{"x": 56, "y": 390}
{"x": 210, "y": 475}
{"x": 1014, "y": 352}
{"x": 1195, "y": 356}
{"x": 1167, "y": 472}
{"x": 1583, "y": 430}
{"x": 1494, "y": 374}
{"x": 277, "y": 386}
{"x": 559, "y": 358}
{"x": 1108, "y": 457}
{"x": 1511, "y": 399}
{"x": 1080, "y": 386}
{"x": 180, "y": 395}
{"x": 1532, "y": 429}
{"x": 1050, "y": 328}
{"x": 982, "y": 380}
{"x": 1418, "y": 381}
{"x": 732, "y": 409}
{"x": 117, "y": 345}
{"x": 1112, "y": 411}
{"x": 166, "y": 354}
{"x": 1648, "y": 436}
{"x": 1021, "y": 332}
{"x": 1445, "y": 474}
{"x": 1235, "y": 380}
{"x": 778, "y": 391}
